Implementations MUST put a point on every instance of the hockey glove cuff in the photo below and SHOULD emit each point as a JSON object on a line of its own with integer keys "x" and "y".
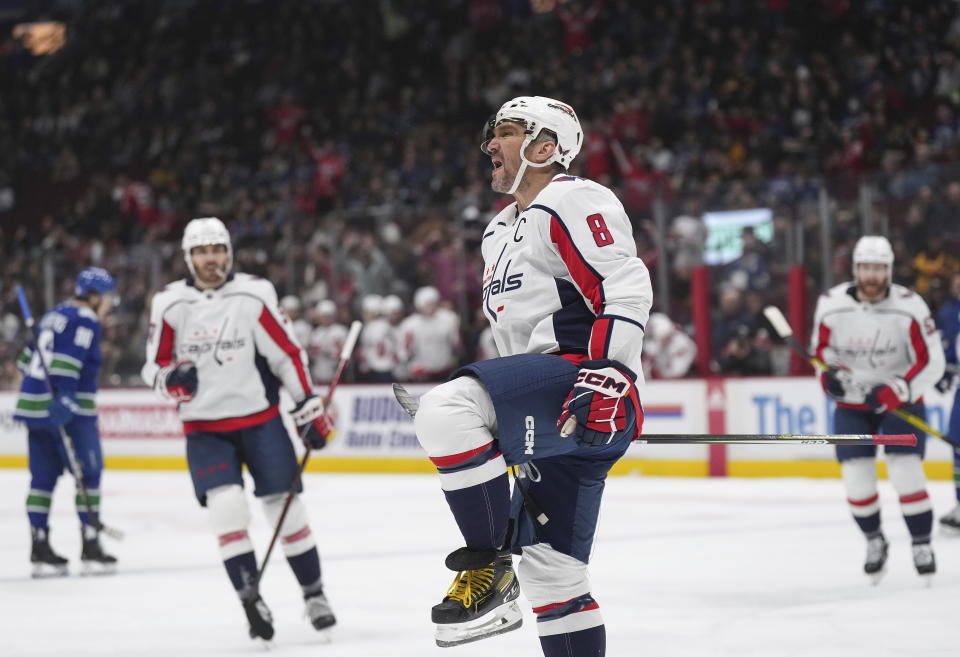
{"x": 595, "y": 411}
{"x": 833, "y": 384}
{"x": 888, "y": 396}
{"x": 62, "y": 409}
{"x": 315, "y": 426}
{"x": 178, "y": 382}
{"x": 945, "y": 383}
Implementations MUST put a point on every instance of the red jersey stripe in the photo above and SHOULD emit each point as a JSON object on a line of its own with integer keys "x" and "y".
{"x": 231, "y": 423}
{"x": 586, "y": 278}
{"x": 165, "y": 348}
{"x": 275, "y": 331}
{"x": 920, "y": 348}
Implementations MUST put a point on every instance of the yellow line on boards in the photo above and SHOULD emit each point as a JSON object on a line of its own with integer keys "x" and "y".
{"x": 936, "y": 470}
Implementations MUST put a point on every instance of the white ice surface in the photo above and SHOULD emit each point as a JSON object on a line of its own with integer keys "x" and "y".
{"x": 682, "y": 567}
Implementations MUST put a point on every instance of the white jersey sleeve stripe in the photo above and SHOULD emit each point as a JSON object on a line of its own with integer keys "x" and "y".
{"x": 587, "y": 278}
{"x": 920, "y": 349}
{"x": 280, "y": 337}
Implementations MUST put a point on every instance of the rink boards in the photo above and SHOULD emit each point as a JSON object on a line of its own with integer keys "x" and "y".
{"x": 375, "y": 435}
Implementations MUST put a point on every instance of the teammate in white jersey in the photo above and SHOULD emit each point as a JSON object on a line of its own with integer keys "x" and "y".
{"x": 219, "y": 345}
{"x": 378, "y": 349}
{"x": 884, "y": 345}
{"x": 429, "y": 338}
{"x": 567, "y": 299}
{"x": 668, "y": 352}
{"x": 326, "y": 342}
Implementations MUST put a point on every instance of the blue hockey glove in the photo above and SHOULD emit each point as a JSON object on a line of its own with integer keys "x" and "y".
{"x": 315, "y": 426}
{"x": 596, "y": 409}
{"x": 180, "y": 381}
{"x": 62, "y": 409}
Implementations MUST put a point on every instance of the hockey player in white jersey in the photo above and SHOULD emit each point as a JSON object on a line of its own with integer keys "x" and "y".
{"x": 219, "y": 346}
{"x": 567, "y": 298}
{"x": 378, "y": 349}
{"x": 885, "y": 347}
{"x": 326, "y": 341}
{"x": 668, "y": 352}
{"x": 430, "y": 338}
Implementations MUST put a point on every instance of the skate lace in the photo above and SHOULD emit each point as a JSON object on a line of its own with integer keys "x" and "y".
{"x": 316, "y": 606}
{"x": 875, "y": 549}
{"x": 468, "y": 585}
{"x": 922, "y": 555}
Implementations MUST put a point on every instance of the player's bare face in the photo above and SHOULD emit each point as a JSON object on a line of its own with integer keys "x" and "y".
{"x": 210, "y": 264}
{"x": 504, "y": 151}
{"x": 872, "y": 280}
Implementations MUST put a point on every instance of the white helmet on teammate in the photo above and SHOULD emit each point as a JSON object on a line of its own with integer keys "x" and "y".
{"x": 204, "y": 231}
{"x": 425, "y": 296}
{"x": 873, "y": 248}
{"x": 392, "y": 304}
{"x": 326, "y": 308}
{"x": 372, "y": 304}
{"x": 536, "y": 114}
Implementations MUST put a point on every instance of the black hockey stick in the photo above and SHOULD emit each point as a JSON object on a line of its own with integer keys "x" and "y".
{"x": 783, "y": 329}
{"x": 76, "y": 468}
{"x": 410, "y": 405}
{"x": 345, "y": 354}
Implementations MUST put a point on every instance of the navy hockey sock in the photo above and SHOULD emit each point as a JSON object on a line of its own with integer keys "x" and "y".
{"x": 591, "y": 642}
{"x": 920, "y": 526}
{"x": 869, "y": 525}
{"x": 306, "y": 568}
{"x": 242, "y": 570}
{"x": 482, "y": 512}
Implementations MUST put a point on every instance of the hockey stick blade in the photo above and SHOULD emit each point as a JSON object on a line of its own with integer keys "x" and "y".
{"x": 405, "y": 399}
{"x": 778, "y": 322}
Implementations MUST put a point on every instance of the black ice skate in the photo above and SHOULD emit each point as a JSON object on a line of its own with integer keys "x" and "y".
{"x": 877, "y": 549}
{"x": 481, "y": 601}
{"x": 93, "y": 560}
{"x": 924, "y": 561}
{"x": 318, "y": 611}
{"x": 950, "y": 523}
{"x": 46, "y": 562}
{"x": 258, "y": 615}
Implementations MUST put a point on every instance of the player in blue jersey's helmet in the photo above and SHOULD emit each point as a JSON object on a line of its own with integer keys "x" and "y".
{"x": 93, "y": 279}
{"x": 94, "y": 288}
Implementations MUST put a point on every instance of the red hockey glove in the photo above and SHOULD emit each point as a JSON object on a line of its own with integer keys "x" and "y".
{"x": 179, "y": 381}
{"x": 596, "y": 409}
{"x": 315, "y": 426}
{"x": 888, "y": 396}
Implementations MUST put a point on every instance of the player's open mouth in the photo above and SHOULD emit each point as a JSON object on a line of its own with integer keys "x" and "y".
{"x": 497, "y": 164}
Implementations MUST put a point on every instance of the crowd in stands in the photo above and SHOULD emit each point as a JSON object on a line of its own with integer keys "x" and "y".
{"x": 338, "y": 141}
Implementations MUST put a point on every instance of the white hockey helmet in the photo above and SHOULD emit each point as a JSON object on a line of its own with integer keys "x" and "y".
{"x": 204, "y": 231}
{"x": 872, "y": 248}
{"x": 658, "y": 326}
{"x": 289, "y": 303}
{"x": 425, "y": 296}
{"x": 372, "y": 304}
{"x": 326, "y": 308}
{"x": 536, "y": 114}
{"x": 392, "y": 304}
